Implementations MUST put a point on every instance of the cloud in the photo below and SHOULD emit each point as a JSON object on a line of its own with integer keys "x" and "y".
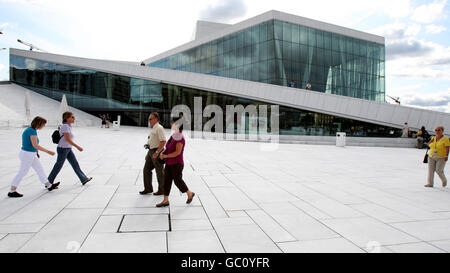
{"x": 408, "y": 56}
{"x": 441, "y": 61}
{"x": 444, "y": 109}
{"x": 404, "y": 88}
{"x": 224, "y": 11}
{"x": 406, "y": 48}
{"x": 437, "y": 102}
{"x": 130, "y": 31}
{"x": 436, "y": 29}
{"x": 401, "y": 41}
{"x": 442, "y": 100}
{"x": 412, "y": 69}
{"x": 413, "y": 30}
{"x": 21, "y": 1}
{"x": 430, "y": 13}
{"x": 30, "y": 64}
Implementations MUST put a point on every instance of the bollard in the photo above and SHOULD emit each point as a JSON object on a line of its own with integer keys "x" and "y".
{"x": 340, "y": 139}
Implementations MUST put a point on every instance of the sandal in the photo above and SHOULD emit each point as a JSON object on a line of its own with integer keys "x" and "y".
{"x": 190, "y": 199}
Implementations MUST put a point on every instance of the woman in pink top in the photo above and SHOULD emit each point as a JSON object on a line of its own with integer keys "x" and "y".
{"x": 174, "y": 164}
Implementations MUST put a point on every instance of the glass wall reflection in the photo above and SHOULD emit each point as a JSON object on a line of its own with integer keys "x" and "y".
{"x": 285, "y": 54}
{"x": 98, "y": 92}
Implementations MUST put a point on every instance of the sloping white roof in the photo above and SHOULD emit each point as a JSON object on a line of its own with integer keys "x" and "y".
{"x": 205, "y": 28}
{"x": 12, "y": 107}
{"x": 270, "y": 15}
{"x": 346, "y": 107}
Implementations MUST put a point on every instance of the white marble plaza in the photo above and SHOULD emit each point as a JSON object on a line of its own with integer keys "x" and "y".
{"x": 296, "y": 198}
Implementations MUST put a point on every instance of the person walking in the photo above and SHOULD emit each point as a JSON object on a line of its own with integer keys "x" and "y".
{"x": 64, "y": 150}
{"x": 29, "y": 157}
{"x": 174, "y": 164}
{"x": 438, "y": 156}
{"x": 156, "y": 142}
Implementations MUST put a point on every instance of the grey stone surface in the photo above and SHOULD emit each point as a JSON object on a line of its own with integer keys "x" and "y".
{"x": 369, "y": 200}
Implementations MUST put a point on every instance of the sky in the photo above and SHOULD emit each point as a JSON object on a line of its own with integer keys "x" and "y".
{"x": 417, "y": 32}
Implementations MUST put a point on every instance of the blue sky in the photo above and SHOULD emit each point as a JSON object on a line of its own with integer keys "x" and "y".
{"x": 416, "y": 31}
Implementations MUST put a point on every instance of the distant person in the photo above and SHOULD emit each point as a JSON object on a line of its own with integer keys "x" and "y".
{"x": 108, "y": 120}
{"x": 29, "y": 157}
{"x": 308, "y": 86}
{"x": 421, "y": 137}
{"x": 438, "y": 156}
{"x": 174, "y": 164}
{"x": 103, "y": 117}
{"x": 155, "y": 144}
{"x": 292, "y": 84}
{"x": 405, "y": 130}
{"x": 64, "y": 150}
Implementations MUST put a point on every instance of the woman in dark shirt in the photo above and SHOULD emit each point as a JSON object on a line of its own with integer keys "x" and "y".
{"x": 174, "y": 164}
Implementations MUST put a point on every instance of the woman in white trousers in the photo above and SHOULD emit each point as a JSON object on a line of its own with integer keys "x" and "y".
{"x": 29, "y": 157}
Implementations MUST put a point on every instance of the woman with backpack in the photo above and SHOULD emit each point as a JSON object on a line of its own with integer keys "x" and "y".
{"x": 29, "y": 157}
{"x": 422, "y": 137}
{"x": 64, "y": 150}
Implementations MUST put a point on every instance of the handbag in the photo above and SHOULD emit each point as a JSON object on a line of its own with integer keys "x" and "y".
{"x": 161, "y": 161}
{"x": 425, "y": 158}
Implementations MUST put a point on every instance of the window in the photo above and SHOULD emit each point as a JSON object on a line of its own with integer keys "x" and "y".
{"x": 287, "y": 32}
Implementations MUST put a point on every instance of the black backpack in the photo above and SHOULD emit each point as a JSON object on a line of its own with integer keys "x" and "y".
{"x": 56, "y": 137}
{"x": 426, "y": 136}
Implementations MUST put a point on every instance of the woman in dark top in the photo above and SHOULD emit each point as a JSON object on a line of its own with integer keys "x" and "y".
{"x": 174, "y": 164}
{"x": 103, "y": 117}
{"x": 422, "y": 137}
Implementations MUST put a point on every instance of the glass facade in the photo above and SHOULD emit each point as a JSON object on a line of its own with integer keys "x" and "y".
{"x": 276, "y": 52}
{"x": 134, "y": 99}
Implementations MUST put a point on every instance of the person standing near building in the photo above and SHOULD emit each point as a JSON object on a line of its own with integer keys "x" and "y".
{"x": 108, "y": 120}
{"x": 438, "y": 157}
{"x": 156, "y": 142}
{"x": 29, "y": 157}
{"x": 292, "y": 84}
{"x": 405, "y": 130}
{"x": 103, "y": 117}
{"x": 308, "y": 87}
{"x": 421, "y": 137}
{"x": 174, "y": 164}
{"x": 64, "y": 150}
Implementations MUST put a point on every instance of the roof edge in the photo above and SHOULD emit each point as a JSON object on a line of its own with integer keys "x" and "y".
{"x": 270, "y": 15}
{"x": 346, "y": 107}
